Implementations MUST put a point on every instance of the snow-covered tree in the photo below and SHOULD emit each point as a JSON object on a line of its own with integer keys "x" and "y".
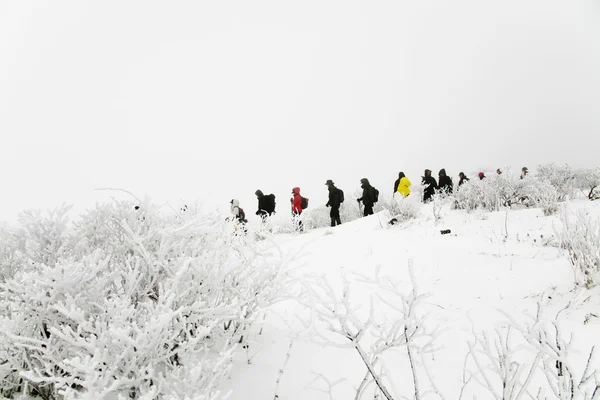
{"x": 128, "y": 301}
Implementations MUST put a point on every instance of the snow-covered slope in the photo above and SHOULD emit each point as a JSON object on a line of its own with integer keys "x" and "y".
{"x": 492, "y": 267}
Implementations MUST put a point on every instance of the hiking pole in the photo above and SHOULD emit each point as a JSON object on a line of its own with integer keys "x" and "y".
{"x": 360, "y": 213}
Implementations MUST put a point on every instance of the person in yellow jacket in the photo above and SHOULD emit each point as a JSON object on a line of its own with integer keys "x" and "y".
{"x": 402, "y": 185}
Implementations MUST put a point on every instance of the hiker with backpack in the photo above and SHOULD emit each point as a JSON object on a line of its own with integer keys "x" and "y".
{"x": 266, "y": 204}
{"x": 430, "y": 186}
{"x": 445, "y": 183}
{"x": 238, "y": 214}
{"x": 336, "y": 198}
{"x": 369, "y": 198}
{"x": 462, "y": 179}
{"x": 402, "y": 185}
{"x": 299, "y": 203}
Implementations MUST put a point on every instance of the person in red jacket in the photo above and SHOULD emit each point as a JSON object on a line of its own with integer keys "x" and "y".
{"x": 297, "y": 207}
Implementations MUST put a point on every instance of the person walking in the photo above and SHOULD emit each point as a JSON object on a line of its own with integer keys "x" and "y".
{"x": 402, "y": 185}
{"x": 445, "y": 182}
{"x": 481, "y": 176}
{"x": 524, "y": 172}
{"x": 266, "y": 205}
{"x": 430, "y": 185}
{"x": 336, "y": 198}
{"x": 462, "y": 179}
{"x": 239, "y": 216}
{"x": 369, "y": 196}
{"x": 296, "y": 201}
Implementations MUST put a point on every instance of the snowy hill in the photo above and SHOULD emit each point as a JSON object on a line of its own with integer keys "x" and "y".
{"x": 489, "y": 264}
{"x": 130, "y": 301}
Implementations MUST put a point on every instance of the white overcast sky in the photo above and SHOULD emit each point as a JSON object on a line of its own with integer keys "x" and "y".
{"x": 215, "y": 99}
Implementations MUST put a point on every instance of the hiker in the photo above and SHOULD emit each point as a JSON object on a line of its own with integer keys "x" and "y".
{"x": 266, "y": 205}
{"x": 430, "y": 185}
{"x": 297, "y": 208}
{"x": 499, "y": 171}
{"x": 336, "y": 198}
{"x": 462, "y": 179}
{"x": 445, "y": 182}
{"x": 369, "y": 196}
{"x": 481, "y": 176}
{"x": 402, "y": 185}
{"x": 524, "y": 172}
{"x": 238, "y": 214}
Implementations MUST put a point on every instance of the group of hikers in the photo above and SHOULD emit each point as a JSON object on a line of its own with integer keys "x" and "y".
{"x": 370, "y": 196}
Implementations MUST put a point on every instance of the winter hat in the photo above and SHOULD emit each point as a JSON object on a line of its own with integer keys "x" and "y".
{"x": 259, "y": 193}
{"x": 480, "y": 174}
{"x": 329, "y": 182}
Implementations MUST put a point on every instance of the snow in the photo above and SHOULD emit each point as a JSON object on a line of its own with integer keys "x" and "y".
{"x": 490, "y": 263}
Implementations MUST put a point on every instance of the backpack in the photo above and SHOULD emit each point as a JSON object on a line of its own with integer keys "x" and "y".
{"x": 304, "y": 204}
{"x": 375, "y": 195}
{"x": 242, "y": 215}
{"x": 271, "y": 201}
{"x": 341, "y": 193}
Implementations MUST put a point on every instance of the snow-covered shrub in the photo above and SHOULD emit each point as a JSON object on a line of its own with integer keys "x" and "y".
{"x": 507, "y": 190}
{"x": 402, "y": 208}
{"x": 532, "y": 357}
{"x": 318, "y": 217}
{"x": 581, "y": 239}
{"x": 541, "y": 194}
{"x": 561, "y": 177}
{"x": 588, "y": 181}
{"x": 128, "y": 302}
{"x": 477, "y": 195}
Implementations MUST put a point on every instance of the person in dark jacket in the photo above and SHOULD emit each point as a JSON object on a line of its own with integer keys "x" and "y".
{"x": 265, "y": 204}
{"x": 462, "y": 179}
{"x": 481, "y": 176}
{"x": 430, "y": 186}
{"x": 368, "y": 196}
{"x": 445, "y": 182}
{"x": 336, "y": 197}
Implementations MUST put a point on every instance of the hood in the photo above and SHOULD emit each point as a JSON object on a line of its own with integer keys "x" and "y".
{"x": 235, "y": 203}
{"x": 442, "y": 172}
{"x": 259, "y": 193}
{"x": 427, "y": 172}
{"x": 296, "y": 190}
{"x": 401, "y": 175}
{"x": 364, "y": 181}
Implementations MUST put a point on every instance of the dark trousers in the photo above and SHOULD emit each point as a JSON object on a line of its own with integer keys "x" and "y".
{"x": 335, "y": 216}
{"x": 368, "y": 209}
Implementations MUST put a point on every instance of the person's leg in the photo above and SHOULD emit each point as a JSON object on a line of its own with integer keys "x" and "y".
{"x": 335, "y": 216}
{"x": 368, "y": 210}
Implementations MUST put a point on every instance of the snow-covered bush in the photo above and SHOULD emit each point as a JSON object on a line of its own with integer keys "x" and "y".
{"x": 477, "y": 195}
{"x": 562, "y": 178}
{"x": 588, "y": 181}
{"x": 540, "y": 194}
{"x": 507, "y": 190}
{"x": 581, "y": 239}
{"x": 401, "y": 208}
{"x": 527, "y": 358}
{"x": 128, "y": 302}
